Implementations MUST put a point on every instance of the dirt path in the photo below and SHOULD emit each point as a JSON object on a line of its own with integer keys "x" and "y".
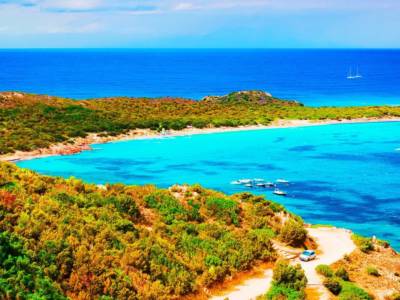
{"x": 249, "y": 289}
{"x": 333, "y": 244}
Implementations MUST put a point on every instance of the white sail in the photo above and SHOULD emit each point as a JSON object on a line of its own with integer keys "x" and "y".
{"x": 356, "y": 76}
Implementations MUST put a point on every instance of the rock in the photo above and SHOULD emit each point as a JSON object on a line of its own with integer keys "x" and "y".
{"x": 257, "y": 97}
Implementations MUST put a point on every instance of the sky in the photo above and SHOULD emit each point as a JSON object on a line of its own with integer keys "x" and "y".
{"x": 199, "y": 24}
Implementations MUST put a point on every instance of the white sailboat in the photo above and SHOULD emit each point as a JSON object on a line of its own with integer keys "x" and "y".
{"x": 357, "y": 75}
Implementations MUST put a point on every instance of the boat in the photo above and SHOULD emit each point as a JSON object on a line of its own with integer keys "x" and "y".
{"x": 250, "y": 185}
{"x": 358, "y": 75}
{"x": 280, "y": 192}
{"x": 266, "y": 184}
{"x": 282, "y": 181}
{"x": 258, "y": 180}
{"x": 236, "y": 182}
{"x": 355, "y": 76}
{"x": 245, "y": 181}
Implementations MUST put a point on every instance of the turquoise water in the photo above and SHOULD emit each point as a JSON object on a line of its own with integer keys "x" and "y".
{"x": 346, "y": 175}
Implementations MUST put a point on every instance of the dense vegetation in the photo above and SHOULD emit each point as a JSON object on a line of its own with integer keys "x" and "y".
{"x": 67, "y": 238}
{"x": 289, "y": 282}
{"x": 29, "y": 122}
{"x": 20, "y": 276}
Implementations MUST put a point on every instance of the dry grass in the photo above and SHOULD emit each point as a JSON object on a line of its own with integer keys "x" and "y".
{"x": 313, "y": 293}
{"x": 386, "y": 261}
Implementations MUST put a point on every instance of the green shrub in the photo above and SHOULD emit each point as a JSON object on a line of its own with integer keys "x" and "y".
{"x": 168, "y": 207}
{"x": 373, "y": 271}
{"x": 293, "y": 233}
{"x": 333, "y": 285}
{"x": 324, "y": 270}
{"x": 288, "y": 283}
{"x": 395, "y": 296}
{"x": 289, "y": 276}
{"x": 280, "y": 292}
{"x": 224, "y": 209}
{"x": 352, "y": 292}
{"x": 20, "y": 276}
{"x": 363, "y": 243}
{"x": 342, "y": 274}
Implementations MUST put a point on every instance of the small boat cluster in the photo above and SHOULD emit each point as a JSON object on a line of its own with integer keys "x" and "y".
{"x": 261, "y": 183}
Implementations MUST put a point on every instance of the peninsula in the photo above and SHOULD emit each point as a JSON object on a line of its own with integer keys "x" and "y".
{"x": 37, "y": 125}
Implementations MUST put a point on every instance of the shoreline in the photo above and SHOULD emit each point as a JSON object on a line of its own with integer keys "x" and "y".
{"x": 85, "y": 144}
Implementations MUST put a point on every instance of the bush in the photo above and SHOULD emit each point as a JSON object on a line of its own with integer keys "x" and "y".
{"x": 288, "y": 283}
{"x": 279, "y": 292}
{"x": 363, "y": 243}
{"x": 373, "y": 271}
{"x": 342, "y": 274}
{"x": 20, "y": 276}
{"x": 395, "y": 296}
{"x": 225, "y": 210}
{"x": 352, "y": 292}
{"x": 289, "y": 276}
{"x": 324, "y": 270}
{"x": 333, "y": 285}
{"x": 293, "y": 233}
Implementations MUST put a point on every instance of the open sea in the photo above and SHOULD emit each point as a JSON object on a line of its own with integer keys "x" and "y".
{"x": 314, "y": 77}
{"x": 345, "y": 175}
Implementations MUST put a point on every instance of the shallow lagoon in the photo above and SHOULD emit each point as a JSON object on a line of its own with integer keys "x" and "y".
{"x": 346, "y": 175}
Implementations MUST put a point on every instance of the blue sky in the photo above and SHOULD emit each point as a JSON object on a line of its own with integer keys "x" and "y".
{"x": 200, "y": 24}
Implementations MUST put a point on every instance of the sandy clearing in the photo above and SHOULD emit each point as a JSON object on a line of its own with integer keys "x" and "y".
{"x": 333, "y": 244}
{"x": 250, "y": 289}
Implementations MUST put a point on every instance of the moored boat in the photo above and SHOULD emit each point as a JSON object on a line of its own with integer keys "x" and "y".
{"x": 236, "y": 182}
{"x": 258, "y": 180}
{"x": 280, "y": 192}
{"x": 282, "y": 181}
{"x": 245, "y": 181}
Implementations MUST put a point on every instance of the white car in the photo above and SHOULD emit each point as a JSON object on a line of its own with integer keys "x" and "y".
{"x": 308, "y": 255}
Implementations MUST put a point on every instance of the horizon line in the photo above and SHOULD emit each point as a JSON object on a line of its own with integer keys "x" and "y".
{"x": 199, "y": 48}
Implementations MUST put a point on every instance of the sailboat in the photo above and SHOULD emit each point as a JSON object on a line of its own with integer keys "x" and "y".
{"x": 355, "y": 76}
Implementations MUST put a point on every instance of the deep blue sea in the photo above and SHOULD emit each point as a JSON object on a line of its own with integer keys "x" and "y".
{"x": 314, "y": 77}
{"x": 347, "y": 175}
